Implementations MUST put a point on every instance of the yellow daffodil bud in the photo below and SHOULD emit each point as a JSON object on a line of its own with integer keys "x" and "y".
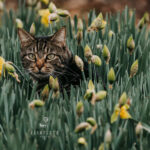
{"x": 32, "y": 28}
{"x": 63, "y": 13}
{"x": 124, "y": 113}
{"x": 79, "y": 108}
{"x": 91, "y": 121}
{"x": 123, "y": 99}
{"x": 38, "y": 6}
{"x": 82, "y": 127}
{"x": 106, "y": 54}
{"x": 53, "y": 17}
{"x": 115, "y": 114}
{"x": 31, "y": 2}
{"x": 141, "y": 23}
{"x": 111, "y": 77}
{"x": 19, "y": 23}
{"x": 56, "y": 95}
{"x": 9, "y": 67}
{"x": 91, "y": 85}
{"x": 134, "y": 69}
{"x": 79, "y": 63}
{"x": 51, "y": 81}
{"x": 138, "y": 128}
{"x": 82, "y": 141}
{"x": 100, "y": 16}
{"x": 45, "y": 93}
{"x": 146, "y": 17}
{"x": 36, "y": 103}
{"x": 55, "y": 85}
{"x": 52, "y": 8}
{"x": 96, "y": 60}
{"x": 111, "y": 33}
{"x": 88, "y": 53}
{"x": 98, "y": 24}
{"x": 108, "y": 136}
{"x": 79, "y": 36}
{"x": 89, "y": 94}
{"x": 80, "y": 25}
{"x": 46, "y": 2}
{"x": 1, "y": 6}
{"x": 130, "y": 45}
{"x": 100, "y": 95}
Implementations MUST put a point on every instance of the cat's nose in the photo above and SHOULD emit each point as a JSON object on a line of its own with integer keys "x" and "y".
{"x": 40, "y": 63}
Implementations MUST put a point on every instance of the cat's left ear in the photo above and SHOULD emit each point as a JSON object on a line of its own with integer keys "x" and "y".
{"x": 60, "y": 37}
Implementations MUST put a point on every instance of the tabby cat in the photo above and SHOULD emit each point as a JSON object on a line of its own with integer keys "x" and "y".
{"x": 49, "y": 56}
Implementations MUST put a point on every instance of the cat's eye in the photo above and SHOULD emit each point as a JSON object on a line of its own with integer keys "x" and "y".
{"x": 50, "y": 56}
{"x": 31, "y": 56}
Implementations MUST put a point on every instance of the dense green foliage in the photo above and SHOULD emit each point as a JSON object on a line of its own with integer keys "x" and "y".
{"x": 18, "y": 122}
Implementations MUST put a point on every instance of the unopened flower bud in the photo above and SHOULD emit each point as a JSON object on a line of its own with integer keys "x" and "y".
{"x": 138, "y": 128}
{"x": 19, "y": 23}
{"x": 79, "y": 108}
{"x": 79, "y": 36}
{"x": 52, "y": 8}
{"x": 130, "y": 45}
{"x": 32, "y": 28}
{"x": 53, "y": 17}
{"x": 106, "y": 54}
{"x": 51, "y": 81}
{"x": 55, "y": 85}
{"x": 146, "y": 17}
{"x": 88, "y": 53}
{"x": 82, "y": 127}
{"x": 111, "y": 34}
{"x": 96, "y": 60}
{"x": 91, "y": 85}
{"x": 88, "y": 95}
{"x": 82, "y": 141}
{"x": 134, "y": 69}
{"x": 38, "y": 6}
{"x": 141, "y": 23}
{"x": 79, "y": 63}
{"x": 91, "y": 121}
{"x": 80, "y": 25}
{"x": 36, "y": 103}
{"x": 45, "y": 93}
{"x": 9, "y": 68}
{"x": 111, "y": 77}
{"x": 108, "y": 136}
{"x": 56, "y": 95}
{"x": 63, "y": 13}
{"x": 123, "y": 99}
{"x": 100, "y": 95}
{"x": 31, "y": 2}
{"x": 99, "y": 46}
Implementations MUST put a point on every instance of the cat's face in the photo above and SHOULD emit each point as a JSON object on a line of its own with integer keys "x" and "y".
{"x": 44, "y": 56}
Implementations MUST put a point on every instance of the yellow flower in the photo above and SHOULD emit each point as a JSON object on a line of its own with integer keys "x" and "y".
{"x": 2, "y": 61}
{"x": 44, "y": 13}
{"x": 124, "y": 113}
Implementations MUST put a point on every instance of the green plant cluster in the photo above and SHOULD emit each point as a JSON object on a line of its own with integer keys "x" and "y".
{"x": 53, "y": 125}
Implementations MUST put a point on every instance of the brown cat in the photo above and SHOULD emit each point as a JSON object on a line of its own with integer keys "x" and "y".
{"x": 45, "y": 56}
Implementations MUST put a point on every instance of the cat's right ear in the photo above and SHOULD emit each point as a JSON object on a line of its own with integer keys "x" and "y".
{"x": 25, "y": 37}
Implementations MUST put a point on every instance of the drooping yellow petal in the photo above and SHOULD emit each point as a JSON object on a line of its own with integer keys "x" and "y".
{"x": 124, "y": 113}
{"x": 115, "y": 114}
